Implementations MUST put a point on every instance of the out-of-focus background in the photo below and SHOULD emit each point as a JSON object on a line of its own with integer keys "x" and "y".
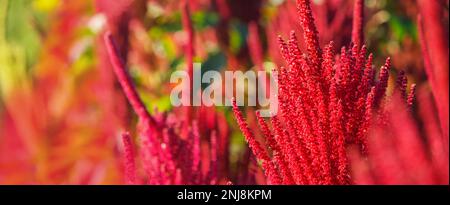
{"x": 61, "y": 109}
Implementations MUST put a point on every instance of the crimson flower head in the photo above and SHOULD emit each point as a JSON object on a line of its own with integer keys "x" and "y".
{"x": 325, "y": 106}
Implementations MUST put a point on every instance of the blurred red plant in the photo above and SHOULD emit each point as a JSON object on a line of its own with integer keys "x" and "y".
{"x": 408, "y": 150}
{"x": 401, "y": 153}
{"x": 46, "y": 118}
{"x": 435, "y": 51}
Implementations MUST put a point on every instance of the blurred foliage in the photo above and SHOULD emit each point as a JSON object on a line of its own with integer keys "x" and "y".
{"x": 12, "y": 53}
{"x": 20, "y": 28}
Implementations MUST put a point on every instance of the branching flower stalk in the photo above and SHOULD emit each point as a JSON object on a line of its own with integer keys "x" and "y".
{"x": 324, "y": 107}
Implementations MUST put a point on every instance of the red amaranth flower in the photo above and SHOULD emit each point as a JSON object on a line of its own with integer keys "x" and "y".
{"x": 310, "y": 32}
{"x": 163, "y": 137}
{"x": 324, "y": 107}
{"x": 278, "y": 156}
{"x": 256, "y": 147}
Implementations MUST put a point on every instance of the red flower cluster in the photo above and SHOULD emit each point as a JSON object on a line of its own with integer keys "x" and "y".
{"x": 163, "y": 139}
{"x": 325, "y": 106}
